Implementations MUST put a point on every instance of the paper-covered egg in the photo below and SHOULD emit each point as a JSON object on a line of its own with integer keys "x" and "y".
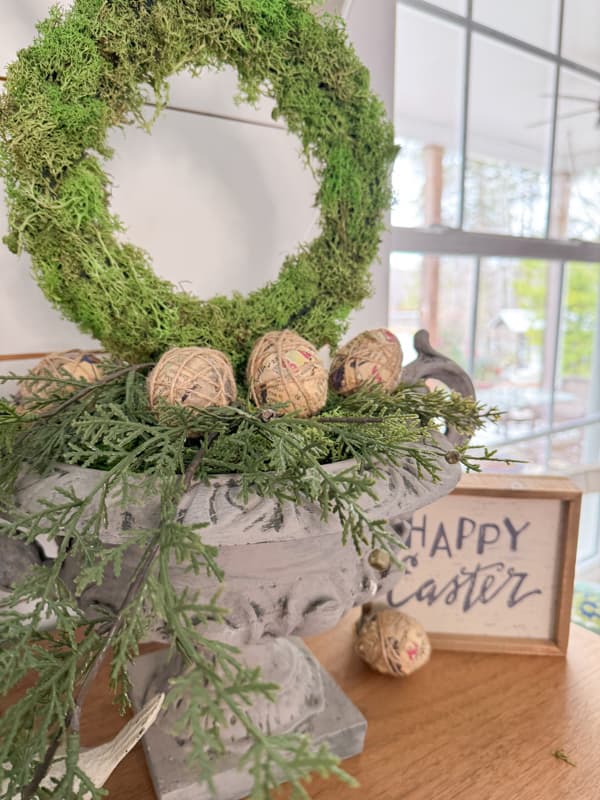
{"x": 284, "y": 369}
{"x": 371, "y": 358}
{"x": 391, "y": 642}
{"x": 197, "y": 377}
{"x": 77, "y": 364}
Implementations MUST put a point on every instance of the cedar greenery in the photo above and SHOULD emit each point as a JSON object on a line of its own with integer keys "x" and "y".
{"x": 109, "y": 425}
{"x": 93, "y": 68}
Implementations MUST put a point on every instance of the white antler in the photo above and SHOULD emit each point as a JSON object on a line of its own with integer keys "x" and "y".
{"x": 99, "y": 762}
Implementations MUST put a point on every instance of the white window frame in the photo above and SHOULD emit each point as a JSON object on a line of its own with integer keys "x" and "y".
{"x": 440, "y": 240}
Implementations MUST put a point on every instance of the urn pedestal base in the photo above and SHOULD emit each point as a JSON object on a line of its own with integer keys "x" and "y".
{"x": 336, "y": 721}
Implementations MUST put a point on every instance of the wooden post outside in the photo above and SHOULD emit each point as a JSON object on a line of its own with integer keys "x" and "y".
{"x": 559, "y": 213}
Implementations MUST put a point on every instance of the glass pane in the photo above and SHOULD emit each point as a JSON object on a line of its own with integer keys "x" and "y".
{"x": 533, "y": 21}
{"x": 576, "y": 191}
{"x": 588, "y": 543}
{"x": 428, "y": 86}
{"x": 589, "y": 529}
{"x": 576, "y": 390}
{"x": 581, "y": 32}
{"x": 408, "y": 182}
{"x": 524, "y": 457}
{"x": 511, "y": 369}
{"x": 431, "y": 292}
{"x": 404, "y": 300}
{"x": 455, "y": 299}
{"x": 510, "y": 329}
{"x": 515, "y": 347}
{"x": 507, "y": 187}
{"x": 584, "y": 205}
{"x": 565, "y": 451}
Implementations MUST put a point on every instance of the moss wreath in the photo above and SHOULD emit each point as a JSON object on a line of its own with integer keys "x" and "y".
{"x": 90, "y": 69}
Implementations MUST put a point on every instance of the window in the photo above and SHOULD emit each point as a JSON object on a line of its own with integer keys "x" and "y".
{"x": 496, "y": 222}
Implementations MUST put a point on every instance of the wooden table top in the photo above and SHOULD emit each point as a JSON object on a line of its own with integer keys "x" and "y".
{"x": 468, "y": 726}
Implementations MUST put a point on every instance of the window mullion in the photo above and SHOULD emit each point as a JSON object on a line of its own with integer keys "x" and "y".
{"x": 547, "y": 431}
{"x": 552, "y": 147}
{"x": 556, "y": 303}
{"x": 464, "y": 133}
{"x": 445, "y": 241}
{"x": 591, "y": 452}
{"x": 499, "y": 36}
{"x": 473, "y": 316}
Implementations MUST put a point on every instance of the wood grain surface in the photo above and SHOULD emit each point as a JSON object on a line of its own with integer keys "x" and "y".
{"x": 468, "y": 726}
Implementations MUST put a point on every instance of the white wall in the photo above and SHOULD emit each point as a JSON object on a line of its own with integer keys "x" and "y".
{"x": 217, "y": 203}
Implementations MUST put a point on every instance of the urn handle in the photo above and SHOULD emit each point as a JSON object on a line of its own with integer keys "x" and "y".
{"x": 432, "y": 364}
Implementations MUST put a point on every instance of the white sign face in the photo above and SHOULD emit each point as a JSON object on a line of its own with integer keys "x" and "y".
{"x": 487, "y": 566}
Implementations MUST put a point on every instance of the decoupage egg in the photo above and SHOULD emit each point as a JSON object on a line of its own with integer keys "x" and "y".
{"x": 373, "y": 357}
{"x": 391, "y": 642}
{"x": 77, "y": 364}
{"x": 285, "y": 369}
{"x": 197, "y": 377}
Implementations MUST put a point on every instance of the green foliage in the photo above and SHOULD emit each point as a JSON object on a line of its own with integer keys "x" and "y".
{"x": 84, "y": 74}
{"x": 582, "y": 283}
{"x": 580, "y": 318}
{"x": 530, "y": 287}
{"x": 108, "y": 425}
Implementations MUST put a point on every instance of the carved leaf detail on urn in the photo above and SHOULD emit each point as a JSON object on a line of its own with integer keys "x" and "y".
{"x": 287, "y": 571}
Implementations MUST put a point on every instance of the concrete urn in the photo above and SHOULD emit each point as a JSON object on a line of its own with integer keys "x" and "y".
{"x": 287, "y": 575}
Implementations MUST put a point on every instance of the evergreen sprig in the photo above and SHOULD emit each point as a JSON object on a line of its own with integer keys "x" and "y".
{"x": 138, "y": 453}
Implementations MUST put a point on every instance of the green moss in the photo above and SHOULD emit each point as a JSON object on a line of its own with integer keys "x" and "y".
{"x": 83, "y": 75}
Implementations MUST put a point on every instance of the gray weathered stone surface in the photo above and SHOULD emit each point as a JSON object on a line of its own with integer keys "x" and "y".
{"x": 282, "y": 662}
{"x": 334, "y": 720}
{"x": 15, "y": 559}
{"x": 431, "y": 364}
{"x": 287, "y": 571}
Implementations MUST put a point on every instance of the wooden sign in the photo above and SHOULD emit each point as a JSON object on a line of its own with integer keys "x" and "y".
{"x": 490, "y": 567}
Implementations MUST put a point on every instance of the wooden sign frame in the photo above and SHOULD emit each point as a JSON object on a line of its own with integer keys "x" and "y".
{"x": 523, "y": 488}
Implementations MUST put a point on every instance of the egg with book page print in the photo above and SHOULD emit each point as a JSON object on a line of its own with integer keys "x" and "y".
{"x": 373, "y": 358}
{"x": 195, "y": 377}
{"x": 391, "y": 642}
{"x": 52, "y": 375}
{"x": 285, "y": 371}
